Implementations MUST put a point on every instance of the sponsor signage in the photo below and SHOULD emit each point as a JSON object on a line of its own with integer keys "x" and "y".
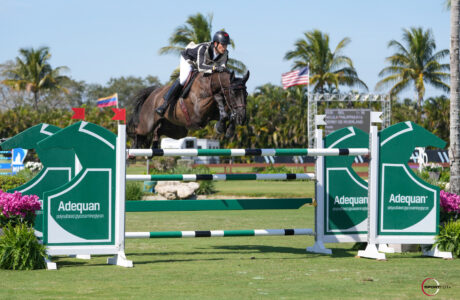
{"x": 339, "y": 118}
{"x": 346, "y": 194}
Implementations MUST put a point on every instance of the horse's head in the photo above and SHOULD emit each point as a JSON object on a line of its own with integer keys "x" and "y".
{"x": 237, "y": 95}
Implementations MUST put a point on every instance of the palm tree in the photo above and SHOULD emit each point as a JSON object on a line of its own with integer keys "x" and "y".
{"x": 454, "y": 153}
{"x": 436, "y": 112}
{"x": 401, "y": 111}
{"x": 328, "y": 69}
{"x": 197, "y": 29}
{"x": 33, "y": 73}
{"x": 415, "y": 63}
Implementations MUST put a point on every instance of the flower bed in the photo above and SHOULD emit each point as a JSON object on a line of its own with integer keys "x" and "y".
{"x": 450, "y": 206}
{"x": 18, "y": 209}
{"x": 19, "y": 248}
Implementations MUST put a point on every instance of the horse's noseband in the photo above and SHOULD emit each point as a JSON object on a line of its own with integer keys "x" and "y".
{"x": 236, "y": 87}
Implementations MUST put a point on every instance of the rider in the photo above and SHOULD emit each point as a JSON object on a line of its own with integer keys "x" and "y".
{"x": 205, "y": 57}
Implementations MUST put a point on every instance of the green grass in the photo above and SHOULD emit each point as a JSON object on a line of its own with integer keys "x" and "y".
{"x": 139, "y": 167}
{"x": 233, "y": 268}
{"x": 273, "y": 189}
{"x": 237, "y": 267}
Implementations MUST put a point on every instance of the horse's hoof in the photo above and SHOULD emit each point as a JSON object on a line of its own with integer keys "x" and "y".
{"x": 219, "y": 127}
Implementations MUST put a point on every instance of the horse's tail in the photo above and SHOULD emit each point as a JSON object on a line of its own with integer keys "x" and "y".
{"x": 138, "y": 100}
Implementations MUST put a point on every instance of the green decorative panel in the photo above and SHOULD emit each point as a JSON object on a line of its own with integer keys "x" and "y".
{"x": 58, "y": 165}
{"x": 346, "y": 193}
{"x": 406, "y": 204}
{"x": 82, "y": 211}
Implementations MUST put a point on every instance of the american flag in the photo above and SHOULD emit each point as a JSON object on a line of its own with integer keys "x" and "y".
{"x": 297, "y": 77}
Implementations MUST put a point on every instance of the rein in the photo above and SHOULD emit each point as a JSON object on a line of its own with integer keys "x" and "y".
{"x": 227, "y": 89}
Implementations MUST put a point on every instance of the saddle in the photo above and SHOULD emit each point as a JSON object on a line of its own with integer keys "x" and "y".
{"x": 188, "y": 83}
{"x": 185, "y": 90}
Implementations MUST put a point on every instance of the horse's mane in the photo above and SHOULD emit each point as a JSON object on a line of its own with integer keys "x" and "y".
{"x": 139, "y": 100}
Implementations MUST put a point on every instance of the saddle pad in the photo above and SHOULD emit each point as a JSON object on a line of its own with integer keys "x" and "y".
{"x": 188, "y": 83}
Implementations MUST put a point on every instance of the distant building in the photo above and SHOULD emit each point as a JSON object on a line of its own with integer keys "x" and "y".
{"x": 193, "y": 143}
{"x": 207, "y": 144}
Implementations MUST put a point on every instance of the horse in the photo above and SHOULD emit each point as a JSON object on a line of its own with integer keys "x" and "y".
{"x": 192, "y": 111}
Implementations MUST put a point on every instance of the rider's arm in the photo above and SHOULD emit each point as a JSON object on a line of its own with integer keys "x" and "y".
{"x": 222, "y": 61}
{"x": 201, "y": 60}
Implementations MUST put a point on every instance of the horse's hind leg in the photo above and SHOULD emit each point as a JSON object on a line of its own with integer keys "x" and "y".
{"x": 139, "y": 141}
{"x": 156, "y": 137}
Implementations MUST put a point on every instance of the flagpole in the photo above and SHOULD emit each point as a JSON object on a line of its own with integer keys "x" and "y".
{"x": 308, "y": 84}
{"x": 116, "y": 95}
{"x": 308, "y": 106}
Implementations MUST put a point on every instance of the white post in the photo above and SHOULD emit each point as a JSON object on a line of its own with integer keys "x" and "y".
{"x": 319, "y": 247}
{"x": 120, "y": 258}
{"x": 371, "y": 250}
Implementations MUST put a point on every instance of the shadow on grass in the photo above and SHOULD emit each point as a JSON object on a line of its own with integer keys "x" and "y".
{"x": 156, "y": 261}
{"x": 261, "y": 249}
{"x": 336, "y": 252}
{"x": 61, "y": 263}
{"x": 340, "y": 252}
{"x": 247, "y": 250}
{"x": 226, "y": 251}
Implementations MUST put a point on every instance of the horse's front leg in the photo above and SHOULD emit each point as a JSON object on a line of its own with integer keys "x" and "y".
{"x": 230, "y": 129}
{"x": 223, "y": 116}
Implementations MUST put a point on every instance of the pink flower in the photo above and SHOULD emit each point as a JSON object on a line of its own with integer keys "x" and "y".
{"x": 17, "y": 205}
{"x": 450, "y": 202}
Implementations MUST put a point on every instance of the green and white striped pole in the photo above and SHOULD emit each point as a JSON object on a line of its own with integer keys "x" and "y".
{"x": 218, "y": 233}
{"x": 220, "y": 177}
{"x": 248, "y": 152}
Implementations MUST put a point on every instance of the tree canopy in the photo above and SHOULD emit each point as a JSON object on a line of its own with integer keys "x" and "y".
{"x": 33, "y": 73}
{"x": 328, "y": 69}
{"x": 415, "y": 63}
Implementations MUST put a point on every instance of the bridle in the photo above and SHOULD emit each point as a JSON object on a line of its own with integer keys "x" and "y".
{"x": 226, "y": 90}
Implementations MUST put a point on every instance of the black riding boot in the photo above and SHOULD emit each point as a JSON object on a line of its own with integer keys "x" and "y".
{"x": 223, "y": 116}
{"x": 170, "y": 97}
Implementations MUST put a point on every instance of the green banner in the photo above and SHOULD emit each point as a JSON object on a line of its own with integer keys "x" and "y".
{"x": 406, "y": 204}
{"x": 346, "y": 193}
{"x": 82, "y": 211}
{"x": 58, "y": 165}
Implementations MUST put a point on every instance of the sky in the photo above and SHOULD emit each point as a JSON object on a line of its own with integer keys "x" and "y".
{"x": 101, "y": 39}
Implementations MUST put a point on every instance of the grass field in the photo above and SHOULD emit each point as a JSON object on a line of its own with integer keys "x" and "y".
{"x": 233, "y": 268}
{"x": 273, "y": 189}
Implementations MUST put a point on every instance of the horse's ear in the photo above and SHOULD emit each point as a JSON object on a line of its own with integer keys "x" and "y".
{"x": 246, "y": 76}
{"x": 232, "y": 76}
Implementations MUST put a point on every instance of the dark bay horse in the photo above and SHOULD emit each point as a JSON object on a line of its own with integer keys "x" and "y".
{"x": 194, "y": 111}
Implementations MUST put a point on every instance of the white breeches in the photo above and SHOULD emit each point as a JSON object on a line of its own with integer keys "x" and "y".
{"x": 185, "y": 69}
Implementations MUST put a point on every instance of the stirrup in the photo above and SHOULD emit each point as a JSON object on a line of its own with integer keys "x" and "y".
{"x": 161, "y": 111}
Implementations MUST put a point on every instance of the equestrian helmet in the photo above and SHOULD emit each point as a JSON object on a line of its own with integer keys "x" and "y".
{"x": 221, "y": 37}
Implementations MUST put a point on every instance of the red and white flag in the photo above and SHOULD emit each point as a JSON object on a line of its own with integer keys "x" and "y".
{"x": 296, "y": 77}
